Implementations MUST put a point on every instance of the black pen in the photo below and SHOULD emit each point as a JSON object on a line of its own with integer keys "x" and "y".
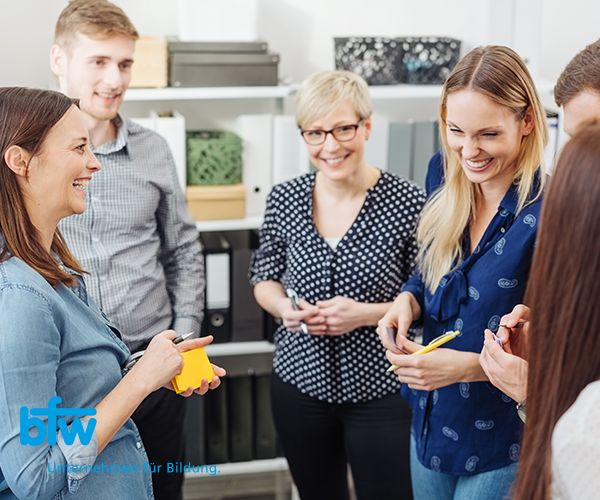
{"x": 133, "y": 359}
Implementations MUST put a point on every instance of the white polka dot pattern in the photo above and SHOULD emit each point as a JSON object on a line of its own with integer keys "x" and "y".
{"x": 370, "y": 264}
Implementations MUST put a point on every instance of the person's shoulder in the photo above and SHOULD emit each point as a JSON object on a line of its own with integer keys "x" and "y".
{"x": 401, "y": 190}
{"x": 296, "y": 186}
{"x": 584, "y": 412}
{"x": 400, "y": 182}
{"x": 17, "y": 277}
{"x": 139, "y": 132}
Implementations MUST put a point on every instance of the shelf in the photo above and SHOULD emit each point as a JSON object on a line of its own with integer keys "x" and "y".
{"x": 252, "y": 467}
{"x": 193, "y": 93}
{"x": 229, "y": 224}
{"x": 239, "y": 348}
{"x": 405, "y": 91}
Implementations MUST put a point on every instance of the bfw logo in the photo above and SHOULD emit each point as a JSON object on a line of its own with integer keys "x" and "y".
{"x": 48, "y": 431}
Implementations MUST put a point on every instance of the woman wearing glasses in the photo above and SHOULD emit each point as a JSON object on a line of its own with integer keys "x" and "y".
{"x": 342, "y": 239}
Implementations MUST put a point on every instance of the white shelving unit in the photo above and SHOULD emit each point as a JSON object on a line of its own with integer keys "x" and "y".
{"x": 229, "y": 224}
{"x": 252, "y": 467}
{"x": 239, "y": 348}
{"x": 208, "y": 93}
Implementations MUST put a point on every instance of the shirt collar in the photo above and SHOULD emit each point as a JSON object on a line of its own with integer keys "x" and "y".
{"x": 511, "y": 199}
{"x": 120, "y": 142}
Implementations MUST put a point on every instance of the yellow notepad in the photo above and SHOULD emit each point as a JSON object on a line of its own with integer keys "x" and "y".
{"x": 196, "y": 367}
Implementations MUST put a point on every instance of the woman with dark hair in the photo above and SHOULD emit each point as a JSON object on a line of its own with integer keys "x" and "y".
{"x": 56, "y": 346}
{"x": 476, "y": 236}
{"x": 560, "y": 458}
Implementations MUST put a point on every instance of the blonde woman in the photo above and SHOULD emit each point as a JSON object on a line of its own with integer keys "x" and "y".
{"x": 343, "y": 239}
{"x": 476, "y": 237}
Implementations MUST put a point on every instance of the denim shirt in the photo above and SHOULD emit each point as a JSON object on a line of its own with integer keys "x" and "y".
{"x": 468, "y": 428}
{"x": 56, "y": 342}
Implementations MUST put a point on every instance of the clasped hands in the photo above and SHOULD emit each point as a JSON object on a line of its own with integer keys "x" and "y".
{"x": 334, "y": 316}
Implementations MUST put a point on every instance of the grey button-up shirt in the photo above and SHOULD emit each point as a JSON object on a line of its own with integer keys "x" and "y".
{"x": 137, "y": 241}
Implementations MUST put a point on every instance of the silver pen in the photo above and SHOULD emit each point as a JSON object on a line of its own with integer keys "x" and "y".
{"x": 296, "y": 305}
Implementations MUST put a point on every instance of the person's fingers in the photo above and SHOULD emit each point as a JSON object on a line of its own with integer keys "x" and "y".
{"x": 323, "y": 304}
{"x": 307, "y": 306}
{"x": 219, "y": 371}
{"x": 388, "y": 341}
{"x": 315, "y": 320}
{"x": 187, "y": 393}
{"x": 203, "y": 389}
{"x": 168, "y": 334}
{"x": 317, "y": 329}
{"x": 188, "y": 345}
{"x": 399, "y": 360}
{"x": 407, "y": 345}
{"x": 214, "y": 383}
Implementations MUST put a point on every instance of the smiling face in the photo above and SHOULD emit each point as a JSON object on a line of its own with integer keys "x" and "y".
{"x": 583, "y": 107}
{"x": 334, "y": 159}
{"x": 58, "y": 177}
{"x": 486, "y": 136}
{"x": 97, "y": 71}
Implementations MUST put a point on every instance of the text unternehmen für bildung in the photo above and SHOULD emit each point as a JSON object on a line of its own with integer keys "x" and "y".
{"x": 116, "y": 468}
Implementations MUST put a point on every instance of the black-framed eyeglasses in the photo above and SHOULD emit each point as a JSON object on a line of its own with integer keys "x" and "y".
{"x": 343, "y": 133}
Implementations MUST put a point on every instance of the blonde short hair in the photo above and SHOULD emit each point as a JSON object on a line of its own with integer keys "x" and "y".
{"x": 322, "y": 92}
{"x": 96, "y": 18}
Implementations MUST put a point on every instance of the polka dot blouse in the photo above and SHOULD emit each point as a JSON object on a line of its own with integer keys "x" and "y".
{"x": 370, "y": 264}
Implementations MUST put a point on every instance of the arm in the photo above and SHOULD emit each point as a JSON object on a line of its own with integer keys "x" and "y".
{"x": 181, "y": 256}
{"x": 30, "y": 358}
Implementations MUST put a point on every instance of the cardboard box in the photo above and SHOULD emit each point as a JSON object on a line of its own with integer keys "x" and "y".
{"x": 217, "y": 202}
{"x": 221, "y": 69}
{"x": 150, "y": 68}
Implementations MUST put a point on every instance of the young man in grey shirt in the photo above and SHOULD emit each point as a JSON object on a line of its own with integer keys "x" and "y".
{"x": 135, "y": 239}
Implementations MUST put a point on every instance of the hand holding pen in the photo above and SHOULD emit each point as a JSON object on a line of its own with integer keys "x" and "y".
{"x": 434, "y": 344}
{"x": 296, "y": 306}
{"x": 135, "y": 357}
{"x": 513, "y": 331}
{"x": 161, "y": 361}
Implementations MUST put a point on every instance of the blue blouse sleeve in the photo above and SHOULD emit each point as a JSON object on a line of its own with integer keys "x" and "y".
{"x": 29, "y": 360}
{"x": 269, "y": 260}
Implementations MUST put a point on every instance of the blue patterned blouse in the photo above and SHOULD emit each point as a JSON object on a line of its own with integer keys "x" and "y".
{"x": 468, "y": 428}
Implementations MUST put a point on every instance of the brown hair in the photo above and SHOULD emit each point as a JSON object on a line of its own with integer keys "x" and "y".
{"x": 26, "y": 118}
{"x": 563, "y": 292}
{"x": 582, "y": 73}
{"x": 93, "y": 18}
{"x": 501, "y": 75}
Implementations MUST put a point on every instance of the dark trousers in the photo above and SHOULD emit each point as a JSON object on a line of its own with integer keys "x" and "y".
{"x": 160, "y": 421}
{"x": 319, "y": 439}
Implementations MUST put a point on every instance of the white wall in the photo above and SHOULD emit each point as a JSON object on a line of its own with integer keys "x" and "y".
{"x": 302, "y": 31}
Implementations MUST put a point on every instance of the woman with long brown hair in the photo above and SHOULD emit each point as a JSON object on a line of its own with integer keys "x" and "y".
{"x": 561, "y": 446}
{"x": 56, "y": 346}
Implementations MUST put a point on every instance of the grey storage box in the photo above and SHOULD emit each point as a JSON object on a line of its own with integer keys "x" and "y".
{"x": 221, "y": 64}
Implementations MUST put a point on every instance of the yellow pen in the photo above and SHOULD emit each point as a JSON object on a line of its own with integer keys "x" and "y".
{"x": 435, "y": 343}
